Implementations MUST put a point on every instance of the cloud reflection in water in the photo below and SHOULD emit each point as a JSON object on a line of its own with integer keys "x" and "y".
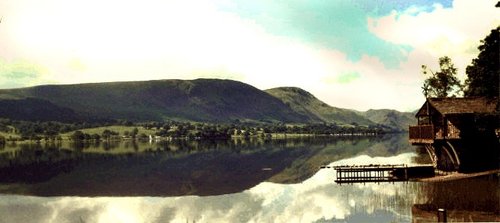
{"x": 317, "y": 199}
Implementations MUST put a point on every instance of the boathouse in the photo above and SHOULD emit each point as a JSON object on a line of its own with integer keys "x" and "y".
{"x": 460, "y": 134}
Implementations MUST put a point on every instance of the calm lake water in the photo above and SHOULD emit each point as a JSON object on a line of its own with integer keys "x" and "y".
{"x": 227, "y": 181}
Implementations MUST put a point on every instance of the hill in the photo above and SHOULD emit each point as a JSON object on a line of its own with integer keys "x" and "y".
{"x": 306, "y": 104}
{"x": 187, "y": 100}
{"x": 32, "y": 109}
{"x": 393, "y": 118}
{"x": 202, "y": 100}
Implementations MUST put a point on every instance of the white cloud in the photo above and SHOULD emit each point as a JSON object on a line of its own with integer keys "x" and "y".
{"x": 455, "y": 31}
{"x": 95, "y": 41}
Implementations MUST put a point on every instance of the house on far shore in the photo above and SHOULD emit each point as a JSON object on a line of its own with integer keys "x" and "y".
{"x": 460, "y": 134}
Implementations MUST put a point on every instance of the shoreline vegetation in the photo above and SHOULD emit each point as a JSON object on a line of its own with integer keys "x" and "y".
{"x": 45, "y": 132}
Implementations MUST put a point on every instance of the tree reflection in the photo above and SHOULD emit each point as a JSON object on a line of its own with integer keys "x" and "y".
{"x": 178, "y": 167}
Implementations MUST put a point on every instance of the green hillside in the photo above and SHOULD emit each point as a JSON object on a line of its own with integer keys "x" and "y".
{"x": 201, "y": 100}
{"x": 190, "y": 100}
{"x": 306, "y": 104}
{"x": 32, "y": 109}
{"x": 393, "y": 118}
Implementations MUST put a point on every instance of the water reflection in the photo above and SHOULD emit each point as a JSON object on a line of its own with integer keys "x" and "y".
{"x": 476, "y": 199}
{"x": 174, "y": 168}
{"x": 241, "y": 191}
{"x": 314, "y": 200}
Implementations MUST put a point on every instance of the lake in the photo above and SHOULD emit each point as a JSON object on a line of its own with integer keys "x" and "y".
{"x": 238, "y": 180}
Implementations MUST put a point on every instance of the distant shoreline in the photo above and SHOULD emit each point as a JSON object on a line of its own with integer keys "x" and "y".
{"x": 272, "y": 136}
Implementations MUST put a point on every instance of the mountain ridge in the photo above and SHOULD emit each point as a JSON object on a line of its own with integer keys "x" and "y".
{"x": 189, "y": 100}
{"x": 201, "y": 100}
{"x": 391, "y": 117}
{"x": 304, "y": 102}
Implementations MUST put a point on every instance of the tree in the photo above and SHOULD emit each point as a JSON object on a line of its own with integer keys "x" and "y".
{"x": 483, "y": 74}
{"x": 107, "y": 134}
{"x": 134, "y": 132}
{"x": 78, "y": 136}
{"x": 50, "y": 134}
{"x": 2, "y": 140}
{"x": 96, "y": 137}
{"x": 443, "y": 83}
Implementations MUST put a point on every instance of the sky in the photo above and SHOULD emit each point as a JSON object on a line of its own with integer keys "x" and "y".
{"x": 363, "y": 54}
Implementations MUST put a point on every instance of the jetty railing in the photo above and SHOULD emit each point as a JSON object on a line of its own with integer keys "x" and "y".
{"x": 380, "y": 173}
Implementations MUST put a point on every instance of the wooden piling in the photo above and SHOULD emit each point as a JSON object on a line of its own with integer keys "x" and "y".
{"x": 441, "y": 214}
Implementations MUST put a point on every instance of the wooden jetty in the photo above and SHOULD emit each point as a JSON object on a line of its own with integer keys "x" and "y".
{"x": 381, "y": 173}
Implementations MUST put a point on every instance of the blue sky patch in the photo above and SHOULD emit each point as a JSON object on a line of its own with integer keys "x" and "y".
{"x": 336, "y": 24}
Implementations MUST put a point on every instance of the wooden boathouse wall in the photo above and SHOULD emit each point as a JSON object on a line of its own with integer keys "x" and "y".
{"x": 459, "y": 134}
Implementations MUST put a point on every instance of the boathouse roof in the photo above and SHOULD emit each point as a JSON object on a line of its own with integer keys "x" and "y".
{"x": 471, "y": 105}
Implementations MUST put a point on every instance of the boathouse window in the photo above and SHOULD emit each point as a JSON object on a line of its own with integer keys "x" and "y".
{"x": 424, "y": 120}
